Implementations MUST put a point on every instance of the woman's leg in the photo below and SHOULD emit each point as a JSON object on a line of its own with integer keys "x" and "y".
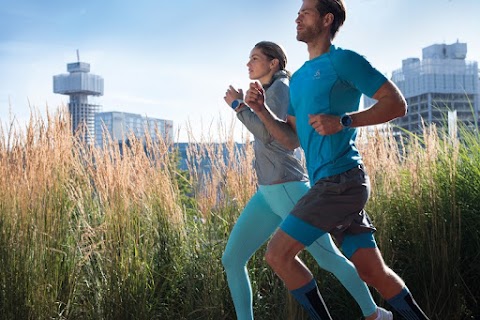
{"x": 331, "y": 259}
{"x": 254, "y": 226}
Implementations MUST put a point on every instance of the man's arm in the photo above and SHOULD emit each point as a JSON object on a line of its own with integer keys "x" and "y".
{"x": 390, "y": 105}
{"x": 284, "y": 132}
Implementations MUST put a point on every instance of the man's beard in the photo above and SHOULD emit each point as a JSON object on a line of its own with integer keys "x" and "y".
{"x": 308, "y": 35}
{"x": 305, "y": 36}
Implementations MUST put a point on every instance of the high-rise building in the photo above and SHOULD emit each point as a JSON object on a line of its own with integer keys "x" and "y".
{"x": 79, "y": 84}
{"x": 119, "y": 126}
{"x": 442, "y": 81}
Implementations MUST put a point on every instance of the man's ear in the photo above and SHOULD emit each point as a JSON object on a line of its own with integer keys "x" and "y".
{"x": 328, "y": 19}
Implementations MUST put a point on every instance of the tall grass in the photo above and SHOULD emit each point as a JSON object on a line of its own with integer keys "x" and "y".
{"x": 86, "y": 234}
{"x": 107, "y": 233}
{"x": 422, "y": 196}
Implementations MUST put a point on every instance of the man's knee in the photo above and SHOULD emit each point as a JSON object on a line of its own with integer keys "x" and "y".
{"x": 370, "y": 266}
{"x": 372, "y": 275}
{"x": 282, "y": 250}
{"x": 273, "y": 257}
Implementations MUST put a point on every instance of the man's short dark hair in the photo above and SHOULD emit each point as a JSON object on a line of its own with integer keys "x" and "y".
{"x": 335, "y": 7}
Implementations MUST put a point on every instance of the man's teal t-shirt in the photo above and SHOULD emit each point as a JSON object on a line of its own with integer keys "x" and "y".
{"x": 332, "y": 83}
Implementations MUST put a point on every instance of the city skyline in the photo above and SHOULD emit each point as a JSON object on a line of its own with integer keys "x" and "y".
{"x": 174, "y": 61}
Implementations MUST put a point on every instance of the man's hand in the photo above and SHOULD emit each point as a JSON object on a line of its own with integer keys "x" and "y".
{"x": 325, "y": 124}
{"x": 232, "y": 94}
{"x": 255, "y": 97}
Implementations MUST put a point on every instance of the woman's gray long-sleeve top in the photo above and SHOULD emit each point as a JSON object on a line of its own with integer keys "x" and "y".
{"x": 273, "y": 162}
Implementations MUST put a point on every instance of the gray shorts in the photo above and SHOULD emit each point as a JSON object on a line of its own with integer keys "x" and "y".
{"x": 336, "y": 204}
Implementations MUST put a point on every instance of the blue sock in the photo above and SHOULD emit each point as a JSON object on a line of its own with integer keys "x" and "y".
{"x": 311, "y": 300}
{"x": 404, "y": 304}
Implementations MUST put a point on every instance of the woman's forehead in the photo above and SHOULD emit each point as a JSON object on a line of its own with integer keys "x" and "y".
{"x": 256, "y": 52}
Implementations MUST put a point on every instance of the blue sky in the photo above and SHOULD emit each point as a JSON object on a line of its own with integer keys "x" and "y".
{"x": 174, "y": 59}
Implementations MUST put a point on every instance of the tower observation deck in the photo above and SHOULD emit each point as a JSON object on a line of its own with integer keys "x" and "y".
{"x": 79, "y": 84}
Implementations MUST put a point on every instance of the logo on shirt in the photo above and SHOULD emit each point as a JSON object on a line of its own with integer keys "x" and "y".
{"x": 317, "y": 75}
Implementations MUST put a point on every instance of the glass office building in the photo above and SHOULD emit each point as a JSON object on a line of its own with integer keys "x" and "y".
{"x": 120, "y": 126}
{"x": 442, "y": 81}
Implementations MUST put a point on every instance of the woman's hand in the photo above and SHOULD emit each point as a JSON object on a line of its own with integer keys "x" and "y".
{"x": 255, "y": 97}
{"x": 232, "y": 94}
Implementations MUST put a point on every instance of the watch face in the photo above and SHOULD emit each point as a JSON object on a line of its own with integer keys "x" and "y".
{"x": 346, "y": 121}
{"x": 236, "y": 103}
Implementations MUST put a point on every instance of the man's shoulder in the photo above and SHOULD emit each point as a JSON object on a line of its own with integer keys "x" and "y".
{"x": 341, "y": 54}
{"x": 347, "y": 61}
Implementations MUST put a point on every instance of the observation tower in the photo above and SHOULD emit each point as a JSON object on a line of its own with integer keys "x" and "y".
{"x": 79, "y": 84}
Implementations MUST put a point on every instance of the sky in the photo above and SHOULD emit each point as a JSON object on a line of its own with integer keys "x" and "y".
{"x": 175, "y": 59}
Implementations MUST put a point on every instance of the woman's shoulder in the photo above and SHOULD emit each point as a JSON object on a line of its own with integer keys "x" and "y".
{"x": 280, "y": 81}
{"x": 279, "y": 88}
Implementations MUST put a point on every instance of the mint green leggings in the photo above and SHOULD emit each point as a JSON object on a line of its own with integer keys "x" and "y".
{"x": 259, "y": 219}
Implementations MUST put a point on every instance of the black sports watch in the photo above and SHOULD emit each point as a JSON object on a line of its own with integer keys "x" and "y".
{"x": 346, "y": 121}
